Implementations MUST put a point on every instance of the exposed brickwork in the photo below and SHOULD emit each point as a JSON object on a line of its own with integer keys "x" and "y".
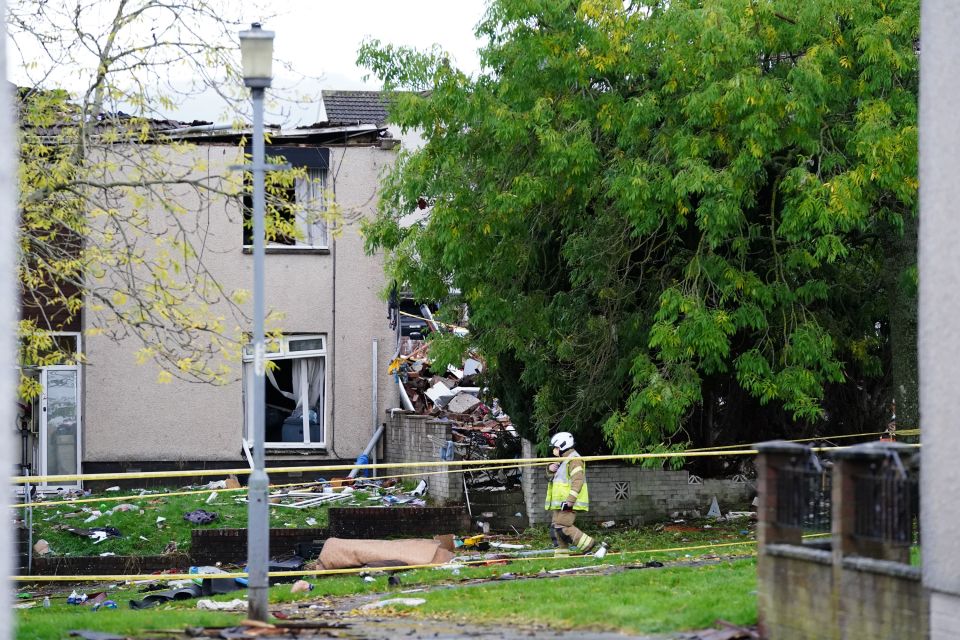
{"x": 397, "y": 522}
{"x": 653, "y": 493}
{"x": 415, "y": 438}
{"x": 109, "y": 565}
{"x": 504, "y": 505}
{"x": 229, "y": 546}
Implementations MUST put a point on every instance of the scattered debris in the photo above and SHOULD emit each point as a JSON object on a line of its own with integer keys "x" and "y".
{"x": 393, "y": 602}
{"x": 95, "y": 635}
{"x": 714, "y": 511}
{"x": 76, "y": 598}
{"x": 340, "y": 553}
{"x": 301, "y": 586}
{"x": 232, "y": 605}
{"x": 41, "y": 548}
{"x": 481, "y": 430}
{"x": 200, "y": 516}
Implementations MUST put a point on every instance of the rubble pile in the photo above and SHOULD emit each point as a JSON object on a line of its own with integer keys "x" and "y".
{"x": 481, "y": 430}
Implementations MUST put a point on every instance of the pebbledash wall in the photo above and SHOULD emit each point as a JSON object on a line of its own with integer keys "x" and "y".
{"x": 629, "y": 492}
{"x": 617, "y": 491}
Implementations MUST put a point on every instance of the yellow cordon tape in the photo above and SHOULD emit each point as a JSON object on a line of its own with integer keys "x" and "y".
{"x": 390, "y": 465}
{"x": 899, "y": 432}
{"x": 349, "y": 467}
{"x": 507, "y": 464}
{"x": 330, "y": 572}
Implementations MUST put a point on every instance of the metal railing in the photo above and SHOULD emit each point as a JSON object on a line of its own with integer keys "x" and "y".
{"x": 887, "y": 503}
{"x": 803, "y": 496}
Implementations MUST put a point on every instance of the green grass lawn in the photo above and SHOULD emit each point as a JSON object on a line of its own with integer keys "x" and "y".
{"x": 641, "y": 600}
{"x": 142, "y": 522}
{"x": 644, "y": 601}
{"x": 54, "y": 623}
{"x": 143, "y": 535}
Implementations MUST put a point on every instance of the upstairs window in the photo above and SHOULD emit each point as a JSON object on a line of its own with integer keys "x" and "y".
{"x": 294, "y": 213}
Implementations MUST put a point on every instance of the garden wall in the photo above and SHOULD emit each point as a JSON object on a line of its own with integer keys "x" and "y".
{"x": 628, "y": 492}
{"x": 412, "y": 437}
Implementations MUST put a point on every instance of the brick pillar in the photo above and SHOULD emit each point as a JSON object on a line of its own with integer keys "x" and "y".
{"x": 771, "y": 458}
{"x": 849, "y": 463}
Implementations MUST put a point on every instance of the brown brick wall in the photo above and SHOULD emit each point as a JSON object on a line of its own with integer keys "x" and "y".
{"x": 397, "y": 522}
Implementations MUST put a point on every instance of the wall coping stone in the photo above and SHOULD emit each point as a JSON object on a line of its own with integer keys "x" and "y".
{"x": 873, "y": 451}
{"x": 799, "y": 552}
{"x": 781, "y": 446}
{"x": 884, "y": 567}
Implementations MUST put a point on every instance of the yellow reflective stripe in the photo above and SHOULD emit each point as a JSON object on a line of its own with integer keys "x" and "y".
{"x": 577, "y": 470}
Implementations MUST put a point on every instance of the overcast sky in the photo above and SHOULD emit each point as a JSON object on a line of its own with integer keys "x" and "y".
{"x": 320, "y": 38}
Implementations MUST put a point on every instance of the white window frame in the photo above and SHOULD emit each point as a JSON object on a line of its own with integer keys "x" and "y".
{"x": 39, "y": 438}
{"x": 280, "y": 349}
{"x": 315, "y": 233}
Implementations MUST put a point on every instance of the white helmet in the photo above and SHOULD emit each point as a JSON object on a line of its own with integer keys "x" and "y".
{"x": 562, "y": 441}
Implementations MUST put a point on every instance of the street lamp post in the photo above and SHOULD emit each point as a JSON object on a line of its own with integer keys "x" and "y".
{"x": 256, "y": 48}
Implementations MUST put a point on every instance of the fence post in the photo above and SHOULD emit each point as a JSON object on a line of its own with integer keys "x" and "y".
{"x": 772, "y": 458}
{"x": 862, "y": 464}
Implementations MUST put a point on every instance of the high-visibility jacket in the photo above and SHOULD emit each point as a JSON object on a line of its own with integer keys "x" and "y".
{"x": 559, "y": 488}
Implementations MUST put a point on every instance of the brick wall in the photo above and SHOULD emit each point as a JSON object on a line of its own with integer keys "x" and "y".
{"x": 397, "y": 522}
{"x": 882, "y": 599}
{"x": 629, "y": 492}
{"x": 414, "y": 438}
{"x": 854, "y": 587}
{"x": 229, "y": 546}
{"x": 798, "y": 597}
{"x": 794, "y": 582}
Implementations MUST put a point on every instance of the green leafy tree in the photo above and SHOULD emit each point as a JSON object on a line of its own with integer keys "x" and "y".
{"x": 664, "y": 212}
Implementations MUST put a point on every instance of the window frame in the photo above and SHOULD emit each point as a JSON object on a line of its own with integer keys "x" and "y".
{"x": 316, "y": 205}
{"x": 284, "y": 352}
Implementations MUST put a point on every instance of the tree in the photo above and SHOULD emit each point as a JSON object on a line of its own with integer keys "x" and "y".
{"x": 664, "y": 214}
{"x": 103, "y": 225}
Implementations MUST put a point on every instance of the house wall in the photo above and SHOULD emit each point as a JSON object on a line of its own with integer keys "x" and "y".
{"x": 129, "y": 416}
{"x": 652, "y": 494}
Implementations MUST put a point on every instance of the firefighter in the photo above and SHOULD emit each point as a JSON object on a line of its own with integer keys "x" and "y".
{"x": 567, "y": 494}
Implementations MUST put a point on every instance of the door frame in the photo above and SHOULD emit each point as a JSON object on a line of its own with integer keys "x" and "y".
{"x": 42, "y": 441}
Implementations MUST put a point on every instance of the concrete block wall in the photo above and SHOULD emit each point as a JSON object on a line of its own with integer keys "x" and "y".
{"x": 411, "y": 437}
{"x": 629, "y": 492}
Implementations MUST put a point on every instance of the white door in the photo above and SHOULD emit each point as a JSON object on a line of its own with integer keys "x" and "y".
{"x": 60, "y": 424}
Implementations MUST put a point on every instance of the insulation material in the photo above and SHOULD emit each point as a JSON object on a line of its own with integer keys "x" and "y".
{"x": 339, "y": 553}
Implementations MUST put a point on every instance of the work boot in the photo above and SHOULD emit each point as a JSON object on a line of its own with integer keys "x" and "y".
{"x": 586, "y": 544}
{"x": 561, "y": 552}
{"x": 553, "y": 537}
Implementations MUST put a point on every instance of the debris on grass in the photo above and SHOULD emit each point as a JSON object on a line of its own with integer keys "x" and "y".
{"x": 393, "y": 602}
{"x": 231, "y": 605}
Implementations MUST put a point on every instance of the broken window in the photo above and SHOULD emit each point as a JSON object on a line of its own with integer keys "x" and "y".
{"x": 295, "y": 391}
{"x": 294, "y": 215}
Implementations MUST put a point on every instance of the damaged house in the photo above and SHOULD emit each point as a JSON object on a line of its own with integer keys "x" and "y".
{"x": 329, "y": 386}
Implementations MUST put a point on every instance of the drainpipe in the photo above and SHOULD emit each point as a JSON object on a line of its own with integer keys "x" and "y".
{"x": 373, "y": 398}
{"x": 366, "y": 452}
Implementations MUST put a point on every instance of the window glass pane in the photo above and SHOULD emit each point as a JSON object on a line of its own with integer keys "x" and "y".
{"x": 62, "y": 433}
{"x": 309, "y": 344}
